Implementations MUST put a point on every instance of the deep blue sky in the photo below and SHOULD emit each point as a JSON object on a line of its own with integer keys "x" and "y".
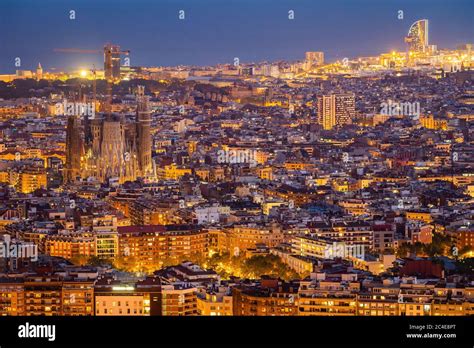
{"x": 216, "y": 31}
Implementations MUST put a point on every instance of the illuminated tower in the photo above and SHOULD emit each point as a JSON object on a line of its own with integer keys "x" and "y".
{"x": 39, "y": 72}
{"x": 112, "y": 62}
{"x": 143, "y": 133}
{"x": 112, "y": 70}
{"x": 327, "y": 111}
{"x": 74, "y": 149}
{"x": 335, "y": 110}
{"x": 313, "y": 59}
{"x": 417, "y": 38}
{"x": 345, "y": 108}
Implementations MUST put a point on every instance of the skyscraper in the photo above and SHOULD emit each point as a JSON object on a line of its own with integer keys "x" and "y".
{"x": 313, "y": 59}
{"x": 335, "y": 110}
{"x": 112, "y": 62}
{"x": 417, "y": 38}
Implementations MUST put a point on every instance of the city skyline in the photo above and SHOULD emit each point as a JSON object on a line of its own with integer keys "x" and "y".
{"x": 206, "y": 35}
{"x": 237, "y": 158}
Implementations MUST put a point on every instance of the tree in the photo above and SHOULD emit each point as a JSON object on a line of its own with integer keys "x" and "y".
{"x": 97, "y": 261}
{"x": 418, "y": 248}
{"x": 258, "y": 265}
{"x": 465, "y": 266}
{"x": 79, "y": 260}
{"x": 198, "y": 258}
{"x": 439, "y": 246}
{"x": 466, "y": 250}
{"x": 403, "y": 250}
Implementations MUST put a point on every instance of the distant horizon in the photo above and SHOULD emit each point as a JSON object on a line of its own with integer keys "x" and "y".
{"x": 215, "y": 33}
{"x": 327, "y": 60}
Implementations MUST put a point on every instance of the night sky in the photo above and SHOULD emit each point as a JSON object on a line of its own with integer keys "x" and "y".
{"x": 216, "y": 31}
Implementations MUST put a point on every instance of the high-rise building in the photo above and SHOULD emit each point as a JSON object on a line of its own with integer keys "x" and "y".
{"x": 313, "y": 59}
{"x": 327, "y": 111}
{"x": 336, "y": 110}
{"x": 112, "y": 62}
{"x": 270, "y": 70}
{"x": 417, "y": 38}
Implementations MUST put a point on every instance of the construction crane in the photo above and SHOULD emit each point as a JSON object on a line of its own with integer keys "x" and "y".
{"x": 94, "y": 85}
{"x": 112, "y": 57}
{"x": 76, "y": 50}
